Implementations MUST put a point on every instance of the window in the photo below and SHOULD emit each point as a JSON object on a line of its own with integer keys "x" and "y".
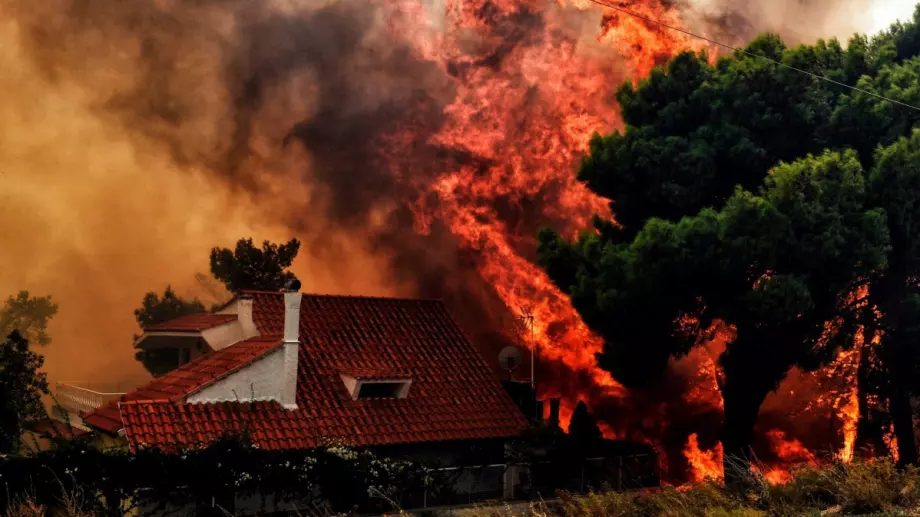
{"x": 373, "y": 390}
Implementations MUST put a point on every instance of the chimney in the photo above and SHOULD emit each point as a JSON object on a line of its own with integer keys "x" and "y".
{"x": 292, "y": 299}
{"x": 244, "y": 316}
{"x": 554, "y": 412}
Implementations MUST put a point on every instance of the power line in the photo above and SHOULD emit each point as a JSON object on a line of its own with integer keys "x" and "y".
{"x": 751, "y": 54}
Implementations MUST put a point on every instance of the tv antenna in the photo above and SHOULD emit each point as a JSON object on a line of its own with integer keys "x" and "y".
{"x": 527, "y": 321}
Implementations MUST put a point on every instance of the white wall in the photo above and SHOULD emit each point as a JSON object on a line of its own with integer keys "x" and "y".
{"x": 260, "y": 380}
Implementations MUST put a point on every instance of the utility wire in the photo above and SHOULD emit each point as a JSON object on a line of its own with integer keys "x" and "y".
{"x": 751, "y": 54}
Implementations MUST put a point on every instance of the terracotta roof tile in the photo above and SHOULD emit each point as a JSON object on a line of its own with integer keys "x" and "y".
{"x": 454, "y": 395}
{"x": 193, "y": 323}
{"x": 186, "y": 379}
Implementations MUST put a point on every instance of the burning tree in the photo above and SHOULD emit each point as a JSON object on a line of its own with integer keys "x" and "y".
{"x": 694, "y": 131}
{"x": 777, "y": 266}
{"x": 893, "y": 185}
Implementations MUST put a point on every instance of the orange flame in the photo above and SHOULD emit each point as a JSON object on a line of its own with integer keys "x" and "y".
{"x": 528, "y": 119}
{"x": 891, "y": 441}
{"x": 704, "y": 465}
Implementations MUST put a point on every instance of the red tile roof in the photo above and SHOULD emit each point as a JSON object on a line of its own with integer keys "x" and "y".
{"x": 175, "y": 385}
{"x": 454, "y": 394}
{"x": 193, "y": 323}
{"x": 370, "y": 374}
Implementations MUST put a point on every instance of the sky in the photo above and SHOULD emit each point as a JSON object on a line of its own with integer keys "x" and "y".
{"x": 884, "y": 12}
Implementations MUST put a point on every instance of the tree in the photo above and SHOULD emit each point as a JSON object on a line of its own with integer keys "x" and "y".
{"x": 695, "y": 131}
{"x": 155, "y": 309}
{"x": 21, "y": 388}
{"x": 893, "y": 186}
{"x": 780, "y": 266}
{"x": 29, "y": 315}
{"x": 248, "y": 267}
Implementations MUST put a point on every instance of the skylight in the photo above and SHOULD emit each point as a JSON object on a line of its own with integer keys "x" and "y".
{"x": 374, "y": 390}
{"x": 362, "y": 387}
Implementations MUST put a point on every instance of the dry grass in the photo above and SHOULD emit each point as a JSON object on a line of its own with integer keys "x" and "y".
{"x": 870, "y": 489}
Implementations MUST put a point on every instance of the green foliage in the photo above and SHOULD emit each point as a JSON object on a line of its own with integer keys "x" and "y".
{"x": 29, "y": 315}
{"x": 248, "y": 267}
{"x": 863, "y": 120}
{"x": 156, "y": 309}
{"x": 332, "y": 478}
{"x": 21, "y": 388}
{"x": 694, "y": 131}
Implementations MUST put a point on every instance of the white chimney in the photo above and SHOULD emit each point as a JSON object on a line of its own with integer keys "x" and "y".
{"x": 244, "y": 316}
{"x": 292, "y": 301}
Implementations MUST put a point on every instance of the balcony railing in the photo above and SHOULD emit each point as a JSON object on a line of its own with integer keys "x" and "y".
{"x": 80, "y": 399}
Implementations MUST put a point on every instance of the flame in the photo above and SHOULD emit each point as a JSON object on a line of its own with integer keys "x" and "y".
{"x": 891, "y": 441}
{"x": 849, "y": 409}
{"x": 789, "y": 450}
{"x": 527, "y": 120}
{"x": 704, "y": 465}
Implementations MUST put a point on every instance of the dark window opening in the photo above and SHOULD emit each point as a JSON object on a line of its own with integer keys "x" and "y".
{"x": 369, "y": 390}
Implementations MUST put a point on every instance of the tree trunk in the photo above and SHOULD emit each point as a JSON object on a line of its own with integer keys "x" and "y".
{"x": 903, "y": 420}
{"x": 868, "y": 430}
{"x": 896, "y": 358}
{"x": 742, "y": 402}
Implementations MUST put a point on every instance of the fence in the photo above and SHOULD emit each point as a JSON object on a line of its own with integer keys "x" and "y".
{"x": 79, "y": 399}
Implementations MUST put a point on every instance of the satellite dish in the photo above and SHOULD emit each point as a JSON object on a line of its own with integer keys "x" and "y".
{"x": 510, "y": 358}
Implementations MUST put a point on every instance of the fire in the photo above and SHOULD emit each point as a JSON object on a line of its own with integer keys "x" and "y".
{"x": 526, "y": 119}
{"x": 891, "y": 441}
{"x": 849, "y": 411}
{"x": 789, "y": 450}
{"x": 704, "y": 465}
{"x": 530, "y": 91}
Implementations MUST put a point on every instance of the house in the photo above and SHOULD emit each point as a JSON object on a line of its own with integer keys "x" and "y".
{"x": 394, "y": 375}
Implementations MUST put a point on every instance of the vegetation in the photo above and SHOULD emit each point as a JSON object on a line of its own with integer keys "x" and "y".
{"x": 116, "y": 482}
{"x": 248, "y": 267}
{"x": 21, "y": 389}
{"x": 754, "y": 196}
{"x": 874, "y": 489}
{"x": 29, "y": 315}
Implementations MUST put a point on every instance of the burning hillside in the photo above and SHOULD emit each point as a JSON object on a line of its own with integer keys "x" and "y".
{"x": 416, "y": 147}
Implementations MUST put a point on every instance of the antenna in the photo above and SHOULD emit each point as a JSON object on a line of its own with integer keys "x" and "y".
{"x": 510, "y": 358}
{"x": 527, "y": 320}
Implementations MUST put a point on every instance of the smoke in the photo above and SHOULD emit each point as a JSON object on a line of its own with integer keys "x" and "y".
{"x": 797, "y": 21}
{"x": 134, "y": 138}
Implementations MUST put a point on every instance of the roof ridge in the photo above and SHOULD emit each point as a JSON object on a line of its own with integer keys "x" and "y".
{"x": 348, "y": 296}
